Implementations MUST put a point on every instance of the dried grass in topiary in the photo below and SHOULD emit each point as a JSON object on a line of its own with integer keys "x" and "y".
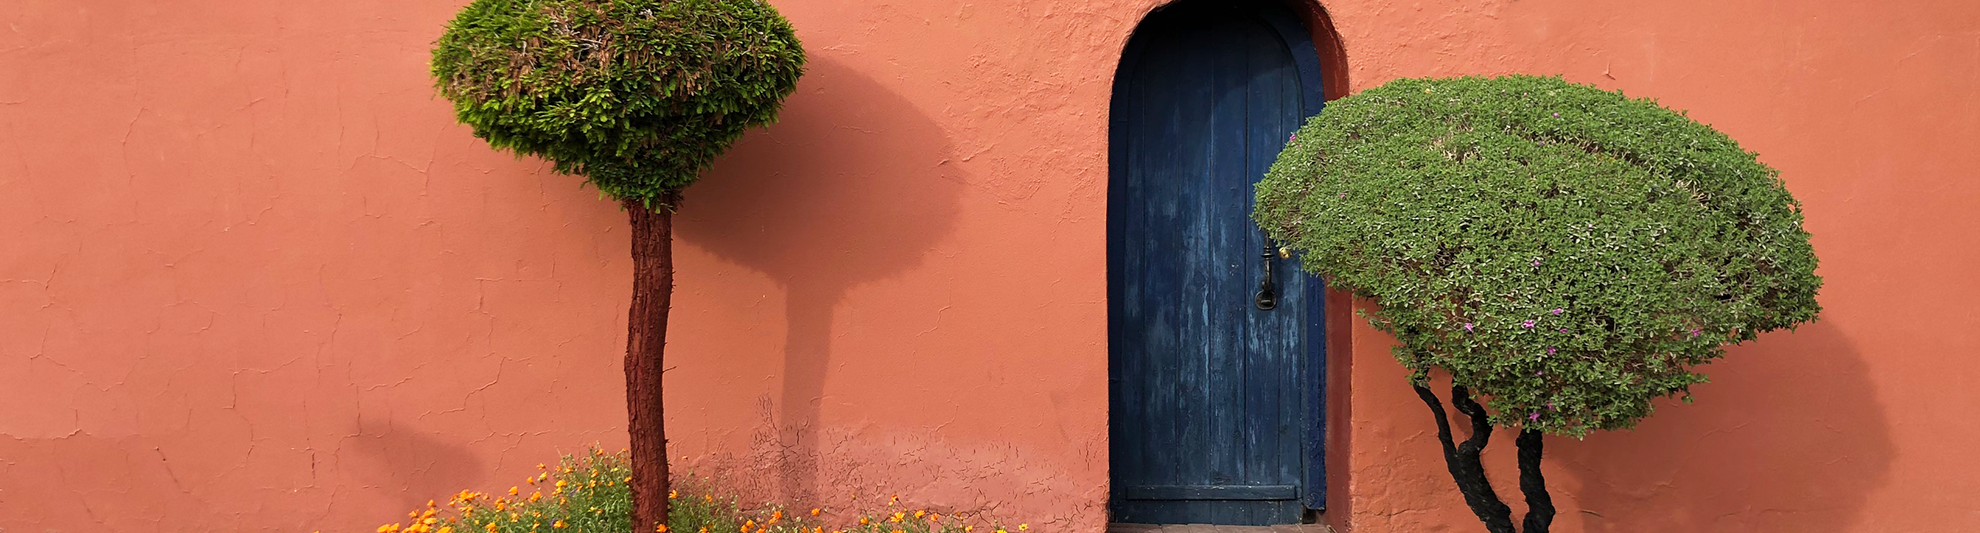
{"x": 1567, "y": 254}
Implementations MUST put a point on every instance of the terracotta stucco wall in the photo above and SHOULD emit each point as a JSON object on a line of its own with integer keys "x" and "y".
{"x": 252, "y": 276}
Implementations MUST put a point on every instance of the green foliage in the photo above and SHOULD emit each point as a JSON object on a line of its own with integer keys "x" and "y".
{"x": 638, "y": 96}
{"x": 588, "y": 494}
{"x": 1568, "y": 253}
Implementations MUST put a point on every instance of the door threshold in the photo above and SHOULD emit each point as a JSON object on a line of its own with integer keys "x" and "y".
{"x": 1118, "y": 527}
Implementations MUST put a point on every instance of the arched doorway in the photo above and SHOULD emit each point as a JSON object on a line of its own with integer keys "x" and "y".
{"x": 1215, "y": 394}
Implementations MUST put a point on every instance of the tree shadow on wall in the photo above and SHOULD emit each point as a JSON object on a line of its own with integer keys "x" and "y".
{"x": 420, "y": 465}
{"x": 852, "y": 185}
{"x": 1788, "y": 436}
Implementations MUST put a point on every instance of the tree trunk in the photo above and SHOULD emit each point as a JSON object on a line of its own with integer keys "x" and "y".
{"x": 646, "y": 340}
{"x": 1539, "y": 504}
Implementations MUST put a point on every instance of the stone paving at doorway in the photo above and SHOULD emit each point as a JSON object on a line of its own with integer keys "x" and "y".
{"x": 1206, "y": 528}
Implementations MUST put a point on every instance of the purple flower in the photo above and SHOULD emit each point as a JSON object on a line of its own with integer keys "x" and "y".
{"x": 1563, "y": 330}
{"x": 1535, "y": 417}
{"x": 1694, "y": 332}
{"x": 1557, "y": 311}
{"x": 1550, "y": 407}
{"x": 1467, "y": 326}
{"x": 1539, "y": 373}
{"x": 1527, "y": 324}
{"x": 1536, "y": 262}
{"x": 1550, "y": 350}
{"x": 1557, "y": 115}
{"x": 1289, "y": 138}
{"x": 1344, "y": 195}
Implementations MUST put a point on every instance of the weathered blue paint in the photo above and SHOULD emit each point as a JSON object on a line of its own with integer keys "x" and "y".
{"x": 1216, "y": 404}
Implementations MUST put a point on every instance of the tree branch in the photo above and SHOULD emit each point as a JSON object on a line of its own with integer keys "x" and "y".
{"x": 1463, "y": 460}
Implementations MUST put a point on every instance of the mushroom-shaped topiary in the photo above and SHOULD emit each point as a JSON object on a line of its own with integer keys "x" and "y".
{"x": 1566, "y": 253}
{"x": 637, "y": 97}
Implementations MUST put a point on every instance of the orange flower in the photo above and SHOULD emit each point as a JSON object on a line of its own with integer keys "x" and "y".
{"x": 562, "y": 483}
{"x": 898, "y": 516}
{"x": 815, "y": 511}
{"x": 662, "y": 528}
{"x": 559, "y": 525}
{"x": 536, "y": 496}
{"x": 514, "y": 490}
{"x": 919, "y": 514}
{"x": 863, "y": 521}
{"x": 540, "y": 466}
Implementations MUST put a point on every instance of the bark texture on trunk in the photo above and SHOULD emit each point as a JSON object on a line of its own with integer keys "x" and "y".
{"x": 646, "y": 338}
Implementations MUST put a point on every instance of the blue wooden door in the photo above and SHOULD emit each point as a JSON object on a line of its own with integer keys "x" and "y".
{"x": 1215, "y": 399}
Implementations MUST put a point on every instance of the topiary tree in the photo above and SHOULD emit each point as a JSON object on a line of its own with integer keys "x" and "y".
{"x": 1565, "y": 253}
{"x": 637, "y": 97}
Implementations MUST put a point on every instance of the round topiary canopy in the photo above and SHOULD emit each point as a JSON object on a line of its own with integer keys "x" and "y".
{"x": 1567, "y": 252}
{"x": 638, "y": 96}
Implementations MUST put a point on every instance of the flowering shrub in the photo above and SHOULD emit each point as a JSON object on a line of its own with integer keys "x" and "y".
{"x": 588, "y": 494}
{"x": 1568, "y": 253}
{"x": 637, "y": 96}
{"x": 1564, "y": 252}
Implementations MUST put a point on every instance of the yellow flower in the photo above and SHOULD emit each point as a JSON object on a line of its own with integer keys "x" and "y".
{"x": 1024, "y": 527}
{"x": 388, "y": 528}
{"x": 514, "y": 490}
{"x": 898, "y": 516}
{"x": 967, "y": 529}
{"x": 559, "y": 525}
{"x": 429, "y": 520}
{"x": 708, "y": 497}
{"x": 536, "y": 496}
{"x": 937, "y": 517}
{"x": 863, "y": 521}
{"x": 672, "y": 494}
{"x": 491, "y": 527}
{"x": 446, "y": 529}
{"x": 540, "y": 466}
{"x": 562, "y": 483}
{"x": 919, "y": 514}
{"x": 429, "y": 503}
{"x": 704, "y": 529}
